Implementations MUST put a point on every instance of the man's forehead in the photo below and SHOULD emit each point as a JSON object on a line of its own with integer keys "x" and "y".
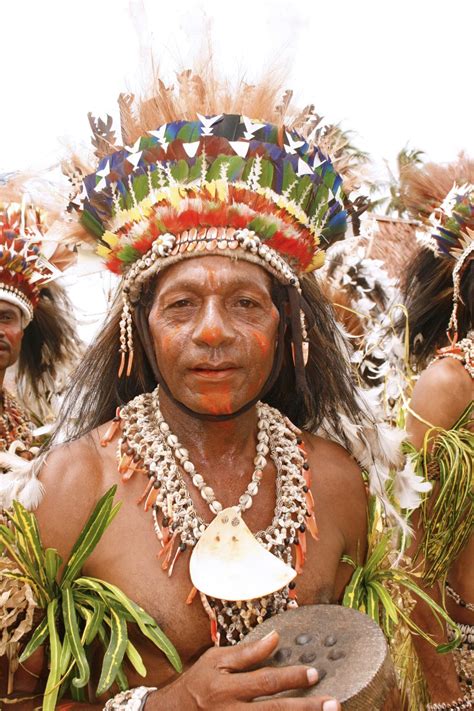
{"x": 214, "y": 270}
{"x": 7, "y": 307}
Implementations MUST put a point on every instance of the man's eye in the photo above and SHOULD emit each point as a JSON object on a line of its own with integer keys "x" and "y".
{"x": 181, "y": 303}
{"x": 246, "y": 303}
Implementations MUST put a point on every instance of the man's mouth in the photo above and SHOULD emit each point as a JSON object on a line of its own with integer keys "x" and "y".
{"x": 4, "y": 347}
{"x": 214, "y": 371}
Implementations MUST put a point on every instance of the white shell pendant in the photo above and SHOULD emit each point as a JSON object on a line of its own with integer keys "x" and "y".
{"x": 229, "y": 563}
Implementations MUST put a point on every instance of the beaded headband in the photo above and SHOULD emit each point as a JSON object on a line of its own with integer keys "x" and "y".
{"x": 23, "y": 269}
{"x": 452, "y": 237}
{"x": 223, "y": 185}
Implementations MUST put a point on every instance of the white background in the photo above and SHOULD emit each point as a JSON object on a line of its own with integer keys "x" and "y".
{"x": 393, "y": 71}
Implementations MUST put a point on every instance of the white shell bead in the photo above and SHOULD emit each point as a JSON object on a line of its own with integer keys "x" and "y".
{"x": 207, "y": 493}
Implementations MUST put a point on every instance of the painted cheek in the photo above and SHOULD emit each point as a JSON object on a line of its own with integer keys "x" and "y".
{"x": 14, "y": 335}
{"x": 262, "y": 341}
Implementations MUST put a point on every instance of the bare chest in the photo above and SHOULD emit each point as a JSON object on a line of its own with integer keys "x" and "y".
{"x": 128, "y": 556}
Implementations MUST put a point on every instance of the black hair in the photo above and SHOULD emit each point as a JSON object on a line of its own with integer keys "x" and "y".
{"x": 49, "y": 349}
{"x": 428, "y": 296}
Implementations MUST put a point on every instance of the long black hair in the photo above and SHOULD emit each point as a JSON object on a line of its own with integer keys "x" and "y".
{"x": 50, "y": 349}
{"x": 428, "y": 296}
{"x": 96, "y": 390}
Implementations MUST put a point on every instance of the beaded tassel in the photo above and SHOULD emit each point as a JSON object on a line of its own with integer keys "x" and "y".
{"x": 111, "y": 430}
{"x": 126, "y": 339}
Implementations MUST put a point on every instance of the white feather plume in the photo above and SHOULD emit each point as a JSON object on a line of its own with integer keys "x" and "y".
{"x": 19, "y": 481}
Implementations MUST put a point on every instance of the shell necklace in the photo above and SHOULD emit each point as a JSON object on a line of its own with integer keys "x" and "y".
{"x": 148, "y": 446}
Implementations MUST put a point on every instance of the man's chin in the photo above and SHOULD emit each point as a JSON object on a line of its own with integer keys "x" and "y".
{"x": 215, "y": 397}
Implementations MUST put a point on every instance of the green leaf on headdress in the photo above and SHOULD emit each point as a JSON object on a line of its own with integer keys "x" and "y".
{"x": 140, "y": 187}
{"x": 147, "y": 142}
{"x": 329, "y": 178}
{"x": 195, "y": 170}
{"x": 235, "y": 168}
{"x": 303, "y": 193}
{"x": 154, "y": 178}
{"x": 128, "y": 201}
{"x": 289, "y": 178}
{"x": 128, "y": 254}
{"x": 91, "y": 224}
{"x": 263, "y": 227}
{"x": 218, "y": 166}
{"x": 189, "y": 133}
{"x": 266, "y": 176}
{"x": 248, "y": 167}
{"x": 180, "y": 171}
{"x": 318, "y": 207}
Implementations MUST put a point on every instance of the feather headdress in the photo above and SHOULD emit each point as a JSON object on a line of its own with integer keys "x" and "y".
{"x": 195, "y": 176}
{"x": 442, "y": 197}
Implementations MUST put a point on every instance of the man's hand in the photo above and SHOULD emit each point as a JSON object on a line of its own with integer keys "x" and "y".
{"x": 219, "y": 681}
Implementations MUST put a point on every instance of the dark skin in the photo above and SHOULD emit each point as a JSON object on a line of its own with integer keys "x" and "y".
{"x": 11, "y": 335}
{"x": 214, "y": 330}
{"x": 440, "y": 396}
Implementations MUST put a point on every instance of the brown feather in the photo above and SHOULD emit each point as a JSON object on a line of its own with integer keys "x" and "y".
{"x": 424, "y": 189}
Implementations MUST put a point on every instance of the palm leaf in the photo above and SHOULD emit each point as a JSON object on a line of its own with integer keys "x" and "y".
{"x": 115, "y": 652}
{"x": 145, "y": 622}
{"x": 37, "y": 639}
{"x": 72, "y": 634}
{"x": 135, "y": 659}
{"x": 53, "y": 683}
{"x": 90, "y": 536}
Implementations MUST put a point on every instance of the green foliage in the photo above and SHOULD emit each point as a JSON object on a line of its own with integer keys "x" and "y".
{"x": 448, "y": 514}
{"x": 379, "y": 587}
{"x": 78, "y": 610}
{"x": 407, "y": 157}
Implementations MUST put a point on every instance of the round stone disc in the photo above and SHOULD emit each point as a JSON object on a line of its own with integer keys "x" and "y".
{"x": 347, "y": 648}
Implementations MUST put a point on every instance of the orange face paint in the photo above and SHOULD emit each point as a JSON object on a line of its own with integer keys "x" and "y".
{"x": 218, "y": 401}
{"x": 210, "y": 334}
{"x": 262, "y": 341}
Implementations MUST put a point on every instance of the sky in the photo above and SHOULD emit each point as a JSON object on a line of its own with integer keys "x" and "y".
{"x": 395, "y": 73}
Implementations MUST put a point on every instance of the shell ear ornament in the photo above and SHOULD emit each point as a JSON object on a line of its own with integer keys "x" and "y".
{"x": 305, "y": 347}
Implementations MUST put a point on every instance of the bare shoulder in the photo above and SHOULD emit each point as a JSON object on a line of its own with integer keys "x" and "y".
{"x": 74, "y": 476}
{"x": 339, "y": 487}
{"x": 334, "y": 466}
{"x": 441, "y": 394}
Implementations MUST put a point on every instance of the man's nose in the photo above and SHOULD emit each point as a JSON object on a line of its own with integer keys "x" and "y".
{"x": 214, "y": 328}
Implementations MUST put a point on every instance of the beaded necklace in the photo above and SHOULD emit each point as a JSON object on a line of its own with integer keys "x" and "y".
{"x": 14, "y": 423}
{"x": 147, "y": 445}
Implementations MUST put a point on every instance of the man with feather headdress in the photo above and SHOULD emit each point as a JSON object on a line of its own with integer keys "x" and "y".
{"x": 203, "y": 392}
{"x": 37, "y": 331}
